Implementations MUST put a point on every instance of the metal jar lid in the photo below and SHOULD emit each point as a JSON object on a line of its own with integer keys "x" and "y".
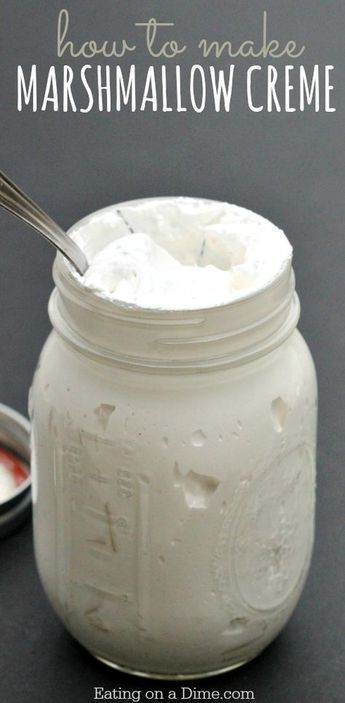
{"x": 15, "y": 438}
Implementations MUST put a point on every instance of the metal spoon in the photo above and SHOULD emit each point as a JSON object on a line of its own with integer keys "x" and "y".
{"x": 18, "y": 203}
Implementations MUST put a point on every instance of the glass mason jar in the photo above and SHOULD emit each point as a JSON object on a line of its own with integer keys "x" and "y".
{"x": 174, "y": 475}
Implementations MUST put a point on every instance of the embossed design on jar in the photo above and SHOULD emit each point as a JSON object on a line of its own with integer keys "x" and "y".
{"x": 265, "y": 541}
{"x": 96, "y": 524}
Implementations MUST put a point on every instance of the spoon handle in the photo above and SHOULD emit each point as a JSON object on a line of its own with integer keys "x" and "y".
{"x": 18, "y": 203}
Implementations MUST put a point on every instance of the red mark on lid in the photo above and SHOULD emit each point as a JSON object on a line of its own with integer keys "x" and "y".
{"x": 13, "y": 466}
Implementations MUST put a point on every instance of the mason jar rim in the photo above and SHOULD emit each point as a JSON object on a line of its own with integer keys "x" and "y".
{"x": 65, "y": 270}
{"x": 232, "y": 332}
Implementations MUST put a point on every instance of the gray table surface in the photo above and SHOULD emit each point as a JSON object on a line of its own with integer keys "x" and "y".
{"x": 288, "y": 167}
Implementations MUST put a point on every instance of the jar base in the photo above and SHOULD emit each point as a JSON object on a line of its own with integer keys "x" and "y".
{"x": 169, "y": 677}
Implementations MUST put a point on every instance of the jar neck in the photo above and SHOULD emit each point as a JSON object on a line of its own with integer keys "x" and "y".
{"x": 230, "y": 334}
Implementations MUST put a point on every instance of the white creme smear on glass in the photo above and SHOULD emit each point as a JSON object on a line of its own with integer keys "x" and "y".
{"x": 180, "y": 253}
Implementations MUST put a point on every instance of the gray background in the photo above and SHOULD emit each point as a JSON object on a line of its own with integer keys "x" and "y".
{"x": 289, "y": 168}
